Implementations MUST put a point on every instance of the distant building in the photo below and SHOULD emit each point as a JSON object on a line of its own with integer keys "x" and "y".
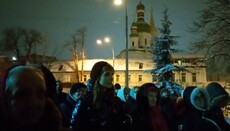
{"x": 140, "y": 59}
{"x": 138, "y": 71}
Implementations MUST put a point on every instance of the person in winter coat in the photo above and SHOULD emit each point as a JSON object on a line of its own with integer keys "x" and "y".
{"x": 59, "y": 89}
{"x": 76, "y": 91}
{"x": 218, "y": 99}
{"x": 148, "y": 116}
{"x": 168, "y": 104}
{"x": 100, "y": 109}
{"x": 26, "y": 106}
{"x": 129, "y": 103}
{"x": 50, "y": 83}
{"x": 196, "y": 102}
{"x": 117, "y": 87}
{"x": 133, "y": 92}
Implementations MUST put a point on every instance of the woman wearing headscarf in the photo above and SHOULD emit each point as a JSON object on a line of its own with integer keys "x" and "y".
{"x": 196, "y": 102}
{"x": 219, "y": 98}
{"x": 148, "y": 115}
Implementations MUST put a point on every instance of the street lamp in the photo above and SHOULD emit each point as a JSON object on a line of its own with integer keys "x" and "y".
{"x": 107, "y": 41}
{"x": 119, "y": 2}
{"x": 14, "y": 58}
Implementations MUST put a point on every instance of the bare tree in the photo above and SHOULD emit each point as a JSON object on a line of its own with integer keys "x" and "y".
{"x": 24, "y": 43}
{"x": 76, "y": 46}
{"x": 11, "y": 41}
{"x": 32, "y": 39}
{"x": 213, "y": 25}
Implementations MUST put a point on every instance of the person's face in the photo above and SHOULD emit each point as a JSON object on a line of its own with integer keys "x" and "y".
{"x": 26, "y": 97}
{"x": 106, "y": 78}
{"x": 199, "y": 100}
{"x": 80, "y": 92}
{"x": 152, "y": 98}
{"x": 116, "y": 90}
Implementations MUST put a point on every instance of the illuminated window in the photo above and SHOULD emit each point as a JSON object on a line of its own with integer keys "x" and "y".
{"x": 193, "y": 77}
{"x": 67, "y": 78}
{"x": 60, "y": 67}
{"x": 139, "y": 78}
{"x": 173, "y": 76}
{"x": 183, "y": 77}
{"x": 117, "y": 78}
{"x": 140, "y": 65}
{"x": 85, "y": 78}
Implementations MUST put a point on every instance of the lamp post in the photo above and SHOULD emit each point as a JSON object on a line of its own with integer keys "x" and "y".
{"x": 107, "y": 41}
{"x": 179, "y": 63}
{"x": 119, "y": 2}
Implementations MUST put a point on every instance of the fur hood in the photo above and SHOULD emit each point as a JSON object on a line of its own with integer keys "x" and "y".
{"x": 193, "y": 92}
{"x": 219, "y": 97}
{"x": 121, "y": 94}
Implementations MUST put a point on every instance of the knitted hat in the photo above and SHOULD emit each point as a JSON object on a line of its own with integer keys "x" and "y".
{"x": 218, "y": 95}
{"x": 97, "y": 70}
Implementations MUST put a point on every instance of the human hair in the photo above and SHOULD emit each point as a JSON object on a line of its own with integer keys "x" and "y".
{"x": 117, "y": 86}
{"x": 17, "y": 71}
{"x": 100, "y": 92}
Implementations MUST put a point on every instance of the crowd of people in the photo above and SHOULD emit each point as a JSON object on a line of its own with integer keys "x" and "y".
{"x": 31, "y": 99}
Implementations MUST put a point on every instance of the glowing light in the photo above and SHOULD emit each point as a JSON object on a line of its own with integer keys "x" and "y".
{"x": 117, "y": 2}
{"x": 107, "y": 39}
{"x": 14, "y": 58}
{"x": 99, "y": 42}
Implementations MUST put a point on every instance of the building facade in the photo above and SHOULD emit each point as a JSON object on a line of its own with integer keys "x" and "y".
{"x": 140, "y": 59}
{"x": 138, "y": 70}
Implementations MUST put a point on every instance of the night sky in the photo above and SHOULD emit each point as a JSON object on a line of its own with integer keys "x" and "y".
{"x": 59, "y": 19}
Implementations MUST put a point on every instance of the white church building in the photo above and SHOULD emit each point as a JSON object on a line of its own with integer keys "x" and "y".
{"x": 140, "y": 60}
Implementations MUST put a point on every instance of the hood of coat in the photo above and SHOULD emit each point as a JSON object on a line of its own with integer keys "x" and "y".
{"x": 196, "y": 98}
{"x": 219, "y": 97}
{"x": 133, "y": 93}
{"x": 121, "y": 94}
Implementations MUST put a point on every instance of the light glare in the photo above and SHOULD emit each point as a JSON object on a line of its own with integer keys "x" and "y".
{"x": 117, "y": 2}
{"x": 107, "y": 40}
{"x": 99, "y": 42}
{"x": 14, "y": 58}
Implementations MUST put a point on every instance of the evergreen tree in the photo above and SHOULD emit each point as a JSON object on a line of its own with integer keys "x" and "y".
{"x": 161, "y": 48}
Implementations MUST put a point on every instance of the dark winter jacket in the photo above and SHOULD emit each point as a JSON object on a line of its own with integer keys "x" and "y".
{"x": 50, "y": 121}
{"x": 193, "y": 118}
{"x": 129, "y": 104}
{"x": 86, "y": 117}
{"x": 218, "y": 98}
{"x": 67, "y": 109}
{"x": 146, "y": 117}
{"x": 216, "y": 114}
